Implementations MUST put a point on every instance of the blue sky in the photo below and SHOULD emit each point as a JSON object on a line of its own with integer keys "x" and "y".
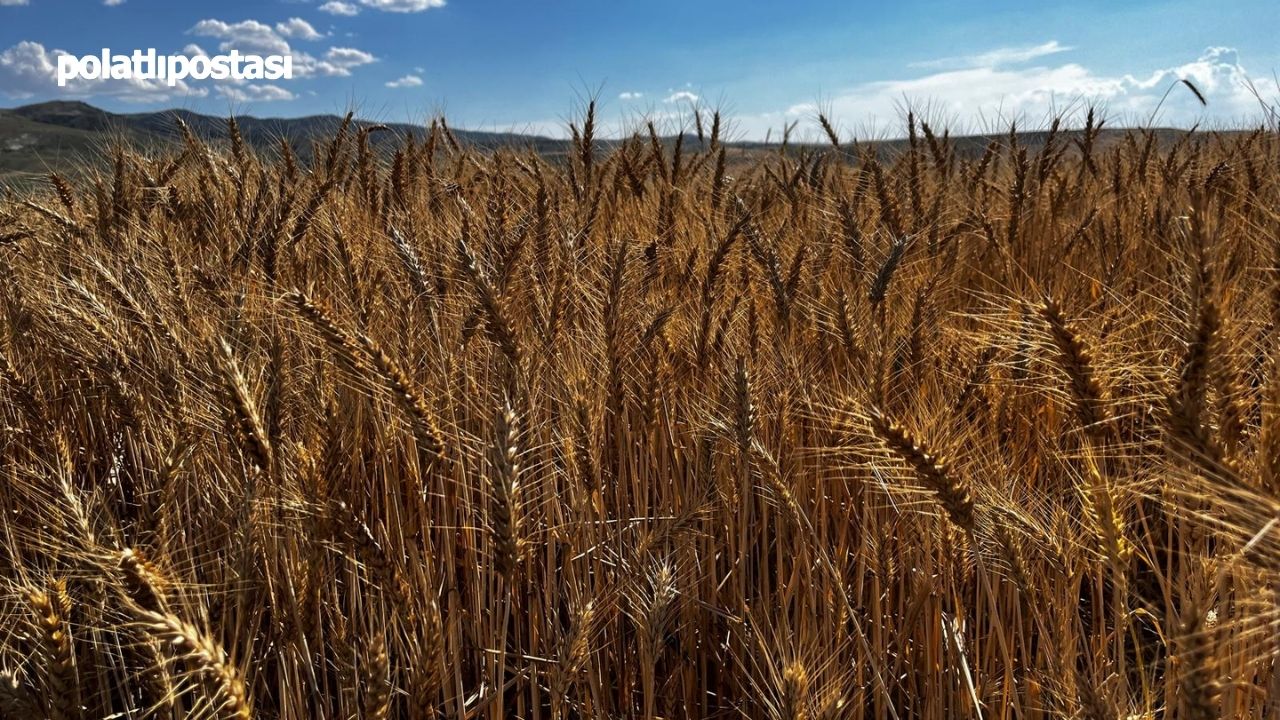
{"x": 503, "y": 64}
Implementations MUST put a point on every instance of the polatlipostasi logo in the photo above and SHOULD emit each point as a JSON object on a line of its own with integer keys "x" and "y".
{"x": 172, "y": 69}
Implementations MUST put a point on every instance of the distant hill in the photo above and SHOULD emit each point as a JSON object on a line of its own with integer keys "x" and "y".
{"x": 29, "y": 145}
{"x": 64, "y": 136}
{"x": 67, "y": 136}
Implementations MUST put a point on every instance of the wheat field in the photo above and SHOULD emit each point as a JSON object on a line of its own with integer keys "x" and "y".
{"x": 656, "y": 429}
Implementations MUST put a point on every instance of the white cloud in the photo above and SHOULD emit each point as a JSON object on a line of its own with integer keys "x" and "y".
{"x": 250, "y": 92}
{"x": 402, "y": 6}
{"x": 247, "y": 36}
{"x": 340, "y": 60}
{"x": 297, "y": 28}
{"x": 630, "y": 95}
{"x": 997, "y": 57}
{"x": 406, "y": 81}
{"x": 112, "y": 3}
{"x": 681, "y": 96}
{"x": 989, "y": 97}
{"x": 348, "y": 56}
{"x": 12, "y": 3}
{"x": 337, "y": 7}
{"x": 28, "y": 69}
{"x": 251, "y": 36}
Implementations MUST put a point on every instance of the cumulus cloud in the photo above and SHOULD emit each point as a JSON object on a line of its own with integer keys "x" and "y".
{"x": 340, "y": 60}
{"x": 337, "y": 7}
{"x": 298, "y": 28}
{"x": 406, "y": 81}
{"x": 402, "y": 6}
{"x": 251, "y": 36}
{"x": 250, "y": 92}
{"x": 630, "y": 95}
{"x": 348, "y": 56}
{"x": 247, "y": 36}
{"x": 993, "y": 94}
{"x": 28, "y": 69}
{"x": 681, "y": 96}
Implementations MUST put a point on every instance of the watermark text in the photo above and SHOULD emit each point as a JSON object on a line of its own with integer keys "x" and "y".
{"x": 148, "y": 65}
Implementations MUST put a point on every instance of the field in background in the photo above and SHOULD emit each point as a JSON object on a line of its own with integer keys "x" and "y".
{"x": 635, "y": 431}
{"x": 73, "y": 138}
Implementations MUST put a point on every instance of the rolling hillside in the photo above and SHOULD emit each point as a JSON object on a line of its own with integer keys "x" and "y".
{"x": 68, "y": 136}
